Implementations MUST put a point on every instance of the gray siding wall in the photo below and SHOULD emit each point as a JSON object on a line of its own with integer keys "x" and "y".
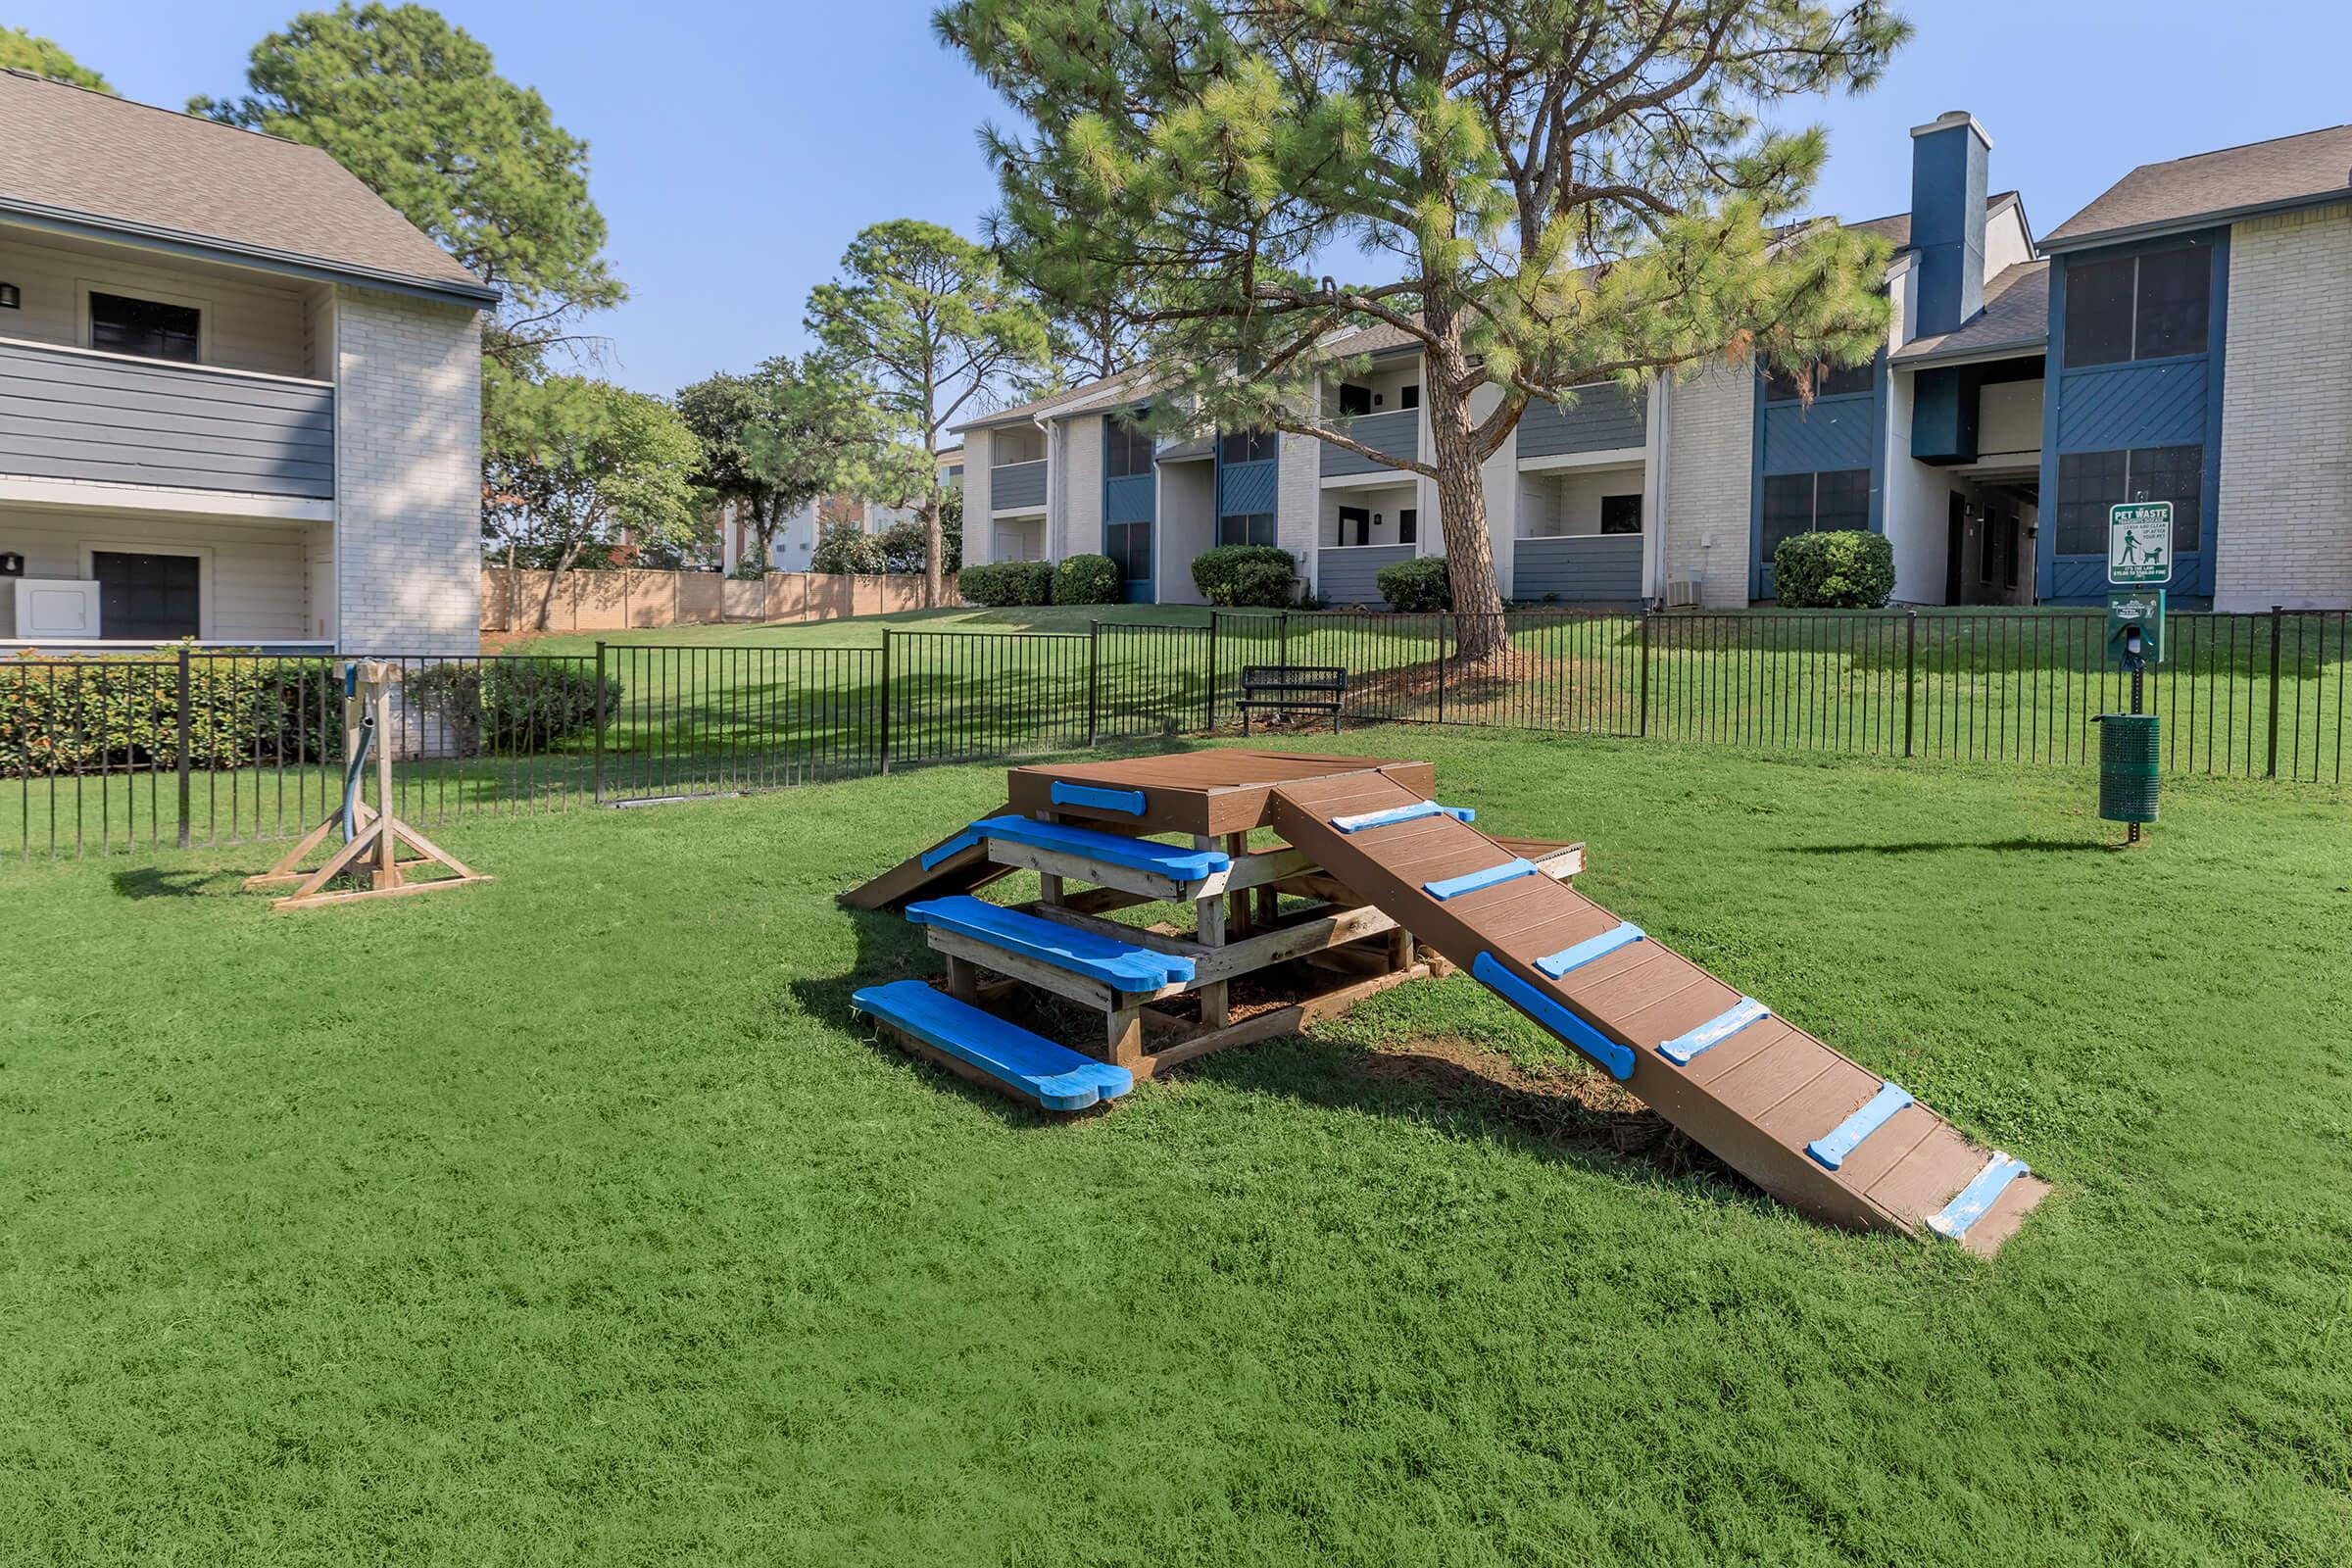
{"x": 1018, "y": 484}
{"x": 1587, "y": 569}
{"x": 74, "y": 415}
{"x": 1604, "y": 419}
{"x": 1351, "y": 576}
{"x": 1398, "y": 432}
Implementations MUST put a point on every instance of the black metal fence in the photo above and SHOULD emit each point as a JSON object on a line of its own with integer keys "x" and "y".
{"x": 99, "y": 754}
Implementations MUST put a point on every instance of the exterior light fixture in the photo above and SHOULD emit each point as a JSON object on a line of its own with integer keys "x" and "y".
{"x": 1376, "y": 519}
{"x": 9, "y": 299}
{"x": 12, "y": 564}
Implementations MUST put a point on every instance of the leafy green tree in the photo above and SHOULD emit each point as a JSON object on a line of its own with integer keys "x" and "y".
{"x": 928, "y": 319}
{"x": 415, "y": 107}
{"x": 1569, "y": 191}
{"x": 607, "y": 467}
{"x": 21, "y": 50}
{"x": 791, "y": 431}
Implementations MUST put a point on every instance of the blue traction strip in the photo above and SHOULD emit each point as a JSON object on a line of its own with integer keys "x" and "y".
{"x": 1714, "y": 1032}
{"x": 1402, "y": 814}
{"x": 1094, "y": 795}
{"x": 1977, "y": 1197}
{"x": 1615, "y": 1058}
{"x": 1832, "y": 1146}
{"x": 1585, "y": 952}
{"x": 1116, "y": 849}
{"x": 1120, "y": 966}
{"x": 1055, "y": 1076}
{"x": 1454, "y": 886}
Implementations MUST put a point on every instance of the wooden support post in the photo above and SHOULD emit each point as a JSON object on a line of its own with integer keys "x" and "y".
{"x": 1125, "y": 1036}
{"x": 1238, "y": 920}
{"x": 1208, "y": 915}
{"x": 1403, "y": 952}
{"x": 963, "y": 980}
{"x": 387, "y": 874}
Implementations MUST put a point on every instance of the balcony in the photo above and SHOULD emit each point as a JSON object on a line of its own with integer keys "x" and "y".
{"x": 71, "y": 413}
{"x": 1604, "y": 418}
{"x": 1018, "y": 486}
{"x": 1396, "y": 432}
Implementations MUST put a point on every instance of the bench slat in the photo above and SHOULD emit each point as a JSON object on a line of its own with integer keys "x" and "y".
{"x": 1120, "y": 966}
{"x": 1031, "y": 1066}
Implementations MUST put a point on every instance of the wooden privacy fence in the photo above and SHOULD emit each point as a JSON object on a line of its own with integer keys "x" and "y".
{"x": 620, "y": 601}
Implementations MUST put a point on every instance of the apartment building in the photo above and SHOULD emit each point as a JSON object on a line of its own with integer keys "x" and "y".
{"x": 2186, "y": 338}
{"x": 239, "y": 393}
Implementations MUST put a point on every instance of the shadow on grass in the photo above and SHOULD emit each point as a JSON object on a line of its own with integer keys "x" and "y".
{"x": 147, "y": 882}
{"x": 1940, "y": 846}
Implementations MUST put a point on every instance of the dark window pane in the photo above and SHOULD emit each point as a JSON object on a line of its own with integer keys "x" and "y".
{"x": 1780, "y": 386}
{"x": 1408, "y": 526}
{"x": 1355, "y": 400}
{"x": 1247, "y": 528}
{"x": 142, "y": 596}
{"x": 2099, "y": 312}
{"x": 2174, "y": 290}
{"x": 2009, "y": 548}
{"x": 1837, "y": 381}
{"x": 1621, "y": 513}
{"x": 1409, "y": 398}
{"x": 1248, "y": 446}
{"x": 1129, "y": 546}
{"x": 2175, "y": 475}
{"x": 1841, "y": 500}
{"x": 1355, "y": 526}
{"x": 2089, "y": 483}
{"x": 1787, "y": 509}
{"x": 1128, "y": 452}
{"x": 121, "y": 324}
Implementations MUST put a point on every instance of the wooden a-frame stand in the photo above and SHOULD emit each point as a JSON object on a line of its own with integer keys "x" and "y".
{"x": 374, "y": 850}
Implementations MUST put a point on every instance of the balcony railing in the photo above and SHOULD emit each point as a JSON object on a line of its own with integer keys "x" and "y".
{"x": 72, "y": 414}
{"x": 1396, "y": 432}
{"x": 1016, "y": 484}
{"x": 1604, "y": 418}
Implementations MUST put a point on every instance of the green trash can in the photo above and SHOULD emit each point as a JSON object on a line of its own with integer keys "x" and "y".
{"x": 2128, "y": 753}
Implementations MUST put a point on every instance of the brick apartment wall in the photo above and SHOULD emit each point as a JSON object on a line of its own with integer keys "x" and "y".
{"x": 1074, "y": 515}
{"x": 979, "y": 534}
{"x": 1710, "y": 452}
{"x": 2284, "y": 532}
{"x": 1298, "y": 498}
{"x": 408, "y": 476}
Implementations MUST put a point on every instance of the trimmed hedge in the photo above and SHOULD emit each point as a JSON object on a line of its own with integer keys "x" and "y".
{"x": 1246, "y": 576}
{"x": 512, "y": 706}
{"x": 111, "y": 715}
{"x": 1843, "y": 568}
{"x": 1418, "y": 584}
{"x": 1007, "y": 582}
{"x": 1088, "y": 580}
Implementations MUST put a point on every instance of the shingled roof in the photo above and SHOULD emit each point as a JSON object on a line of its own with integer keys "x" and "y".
{"x": 2214, "y": 187}
{"x": 2016, "y": 318}
{"x": 93, "y": 164}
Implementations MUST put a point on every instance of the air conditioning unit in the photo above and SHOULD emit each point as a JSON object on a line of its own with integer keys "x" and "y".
{"x": 54, "y": 607}
{"x": 1681, "y": 594}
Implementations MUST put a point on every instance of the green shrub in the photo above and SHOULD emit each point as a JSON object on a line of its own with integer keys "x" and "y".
{"x": 1418, "y": 584}
{"x": 1843, "y": 568}
{"x": 903, "y": 546}
{"x": 1088, "y": 580}
{"x": 751, "y": 566}
{"x": 512, "y": 706}
{"x": 1007, "y": 582}
{"x": 1219, "y": 575}
{"x": 845, "y": 547}
{"x": 108, "y": 714}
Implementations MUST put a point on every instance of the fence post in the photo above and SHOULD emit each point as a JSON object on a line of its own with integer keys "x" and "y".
{"x": 2277, "y": 618}
{"x": 1646, "y": 613}
{"x": 600, "y": 717}
{"x": 884, "y": 743}
{"x": 1212, "y": 672}
{"x": 1286, "y": 642}
{"x": 183, "y": 728}
{"x": 1910, "y": 673}
{"x": 1094, "y": 683}
{"x": 1442, "y": 670}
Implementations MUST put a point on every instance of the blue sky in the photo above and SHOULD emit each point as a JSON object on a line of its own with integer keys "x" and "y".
{"x": 736, "y": 147}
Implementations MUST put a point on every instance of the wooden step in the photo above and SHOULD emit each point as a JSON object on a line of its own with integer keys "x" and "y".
{"x": 1120, "y": 966}
{"x": 982, "y": 1046}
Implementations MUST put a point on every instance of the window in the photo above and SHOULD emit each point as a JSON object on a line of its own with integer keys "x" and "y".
{"x": 2089, "y": 482}
{"x": 2138, "y": 307}
{"x": 1247, "y": 528}
{"x": 1129, "y": 546}
{"x": 1355, "y": 400}
{"x": 2009, "y": 548}
{"x": 143, "y": 597}
{"x": 1247, "y": 446}
{"x": 1621, "y": 513}
{"x": 1127, "y": 451}
{"x": 1808, "y": 502}
{"x": 1828, "y": 381}
{"x": 1409, "y": 398}
{"x": 150, "y": 328}
{"x": 1408, "y": 525}
{"x": 1355, "y": 526}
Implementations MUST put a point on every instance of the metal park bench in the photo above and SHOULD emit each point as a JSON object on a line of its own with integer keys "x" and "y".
{"x": 1292, "y": 688}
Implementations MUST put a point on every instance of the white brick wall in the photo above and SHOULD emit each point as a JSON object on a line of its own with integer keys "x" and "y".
{"x": 408, "y": 474}
{"x": 2284, "y": 532}
{"x": 979, "y": 534}
{"x": 1075, "y": 520}
{"x": 1707, "y": 463}
{"x": 1298, "y": 499}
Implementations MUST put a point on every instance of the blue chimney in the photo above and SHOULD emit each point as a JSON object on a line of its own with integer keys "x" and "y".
{"x": 1948, "y": 156}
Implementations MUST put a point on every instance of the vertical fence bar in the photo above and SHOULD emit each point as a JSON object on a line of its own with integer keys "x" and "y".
{"x": 598, "y": 773}
{"x": 1910, "y": 675}
{"x": 1093, "y": 683}
{"x": 181, "y": 730}
{"x": 1213, "y": 672}
{"x": 883, "y": 746}
{"x": 2271, "y": 768}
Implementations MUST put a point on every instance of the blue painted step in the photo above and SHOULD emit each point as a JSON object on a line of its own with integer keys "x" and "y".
{"x": 1977, "y": 1197}
{"x": 1402, "y": 814}
{"x": 1056, "y": 1077}
{"x": 1120, "y": 966}
{"x": 1832, "y": 1148}
{"x": 1454, "y": 886}
{"x": 1554, "y": 1016}
{"x": 1714, "y": 1032}
{"x": 1064, "y": 793}
{"x": 1582, "y": 953}
{"x": 1115, "y": 849}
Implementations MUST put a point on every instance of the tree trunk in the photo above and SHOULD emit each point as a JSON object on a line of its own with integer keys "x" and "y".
{"x": 1462, "y": 501}
{"x": 935, "y": 577}
{"x": 547, "y": 600}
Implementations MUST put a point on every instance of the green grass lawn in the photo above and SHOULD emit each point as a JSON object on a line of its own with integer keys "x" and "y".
{"x": 571, "y": 1219}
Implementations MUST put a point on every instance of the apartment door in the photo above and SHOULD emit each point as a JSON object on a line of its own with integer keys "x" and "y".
{"x": 1955, "y": 551}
